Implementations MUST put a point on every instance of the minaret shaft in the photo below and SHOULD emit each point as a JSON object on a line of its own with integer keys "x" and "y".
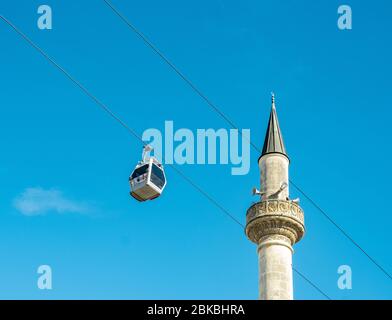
{"x": 275, "y": 271}
{"x": 274, "y": 175}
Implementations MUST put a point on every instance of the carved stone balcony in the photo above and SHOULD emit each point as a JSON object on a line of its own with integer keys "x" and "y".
{"x": 275, "y": 217}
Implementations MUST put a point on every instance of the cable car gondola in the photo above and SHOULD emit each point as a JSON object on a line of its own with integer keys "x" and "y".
{"x": 148, "y": 179}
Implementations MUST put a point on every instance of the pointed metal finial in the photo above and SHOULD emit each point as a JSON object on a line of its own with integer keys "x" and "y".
{"x": 273, "y": 99}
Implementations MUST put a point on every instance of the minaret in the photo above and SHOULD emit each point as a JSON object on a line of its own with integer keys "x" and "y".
{"x": 275, "y": 222}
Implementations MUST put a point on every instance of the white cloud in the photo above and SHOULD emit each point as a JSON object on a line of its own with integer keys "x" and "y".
{"x": 38, "y": 201}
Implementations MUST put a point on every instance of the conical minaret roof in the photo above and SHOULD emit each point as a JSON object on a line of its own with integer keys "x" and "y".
{"x": 273, "y": 141}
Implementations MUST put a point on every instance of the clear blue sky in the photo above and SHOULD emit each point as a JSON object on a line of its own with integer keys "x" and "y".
{"x": 334, "y": 96}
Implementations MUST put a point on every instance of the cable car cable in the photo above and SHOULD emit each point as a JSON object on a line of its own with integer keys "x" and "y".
{"x": 114, "y": 116}
{"x": 231, "y": 123}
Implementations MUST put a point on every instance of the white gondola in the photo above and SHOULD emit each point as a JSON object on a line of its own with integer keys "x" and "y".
{"x": 148, "y": 178}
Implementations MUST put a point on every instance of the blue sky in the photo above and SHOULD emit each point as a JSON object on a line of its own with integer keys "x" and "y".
{"x": 333, "y": 100}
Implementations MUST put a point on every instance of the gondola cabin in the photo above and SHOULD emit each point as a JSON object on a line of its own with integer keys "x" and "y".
{"x": 147, "y": 180}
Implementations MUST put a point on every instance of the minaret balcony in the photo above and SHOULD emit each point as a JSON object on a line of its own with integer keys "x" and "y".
{"x": 275, "y": 217}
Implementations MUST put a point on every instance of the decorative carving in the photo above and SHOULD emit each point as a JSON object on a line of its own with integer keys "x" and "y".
{"x": 272, "y": 206}
{"x": 275, "y": 217}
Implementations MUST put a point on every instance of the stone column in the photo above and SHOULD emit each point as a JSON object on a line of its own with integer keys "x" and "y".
{"x": 275, "y": 225}
{"x": 275, "y": 272}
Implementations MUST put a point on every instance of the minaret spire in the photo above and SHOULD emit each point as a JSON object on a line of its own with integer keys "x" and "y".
{"x": 273, "y": 141}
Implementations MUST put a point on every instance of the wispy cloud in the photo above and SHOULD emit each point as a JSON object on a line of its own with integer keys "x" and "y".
{"x": 38, "y": 201}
